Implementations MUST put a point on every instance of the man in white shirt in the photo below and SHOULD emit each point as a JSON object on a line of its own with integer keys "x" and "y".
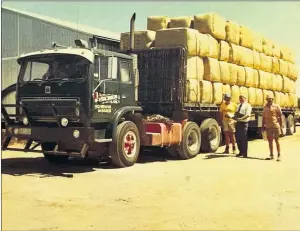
{"x": 242, "y": 117}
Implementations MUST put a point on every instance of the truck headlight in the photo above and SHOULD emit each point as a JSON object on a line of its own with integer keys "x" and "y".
{"x": 25, "y": 121}
{"x": 64, "y": 122}
{"x": 76, "y": 134}
{"x": 16, "y": 131}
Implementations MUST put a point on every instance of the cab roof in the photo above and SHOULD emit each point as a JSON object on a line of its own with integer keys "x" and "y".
{"x": 83, "y": 52}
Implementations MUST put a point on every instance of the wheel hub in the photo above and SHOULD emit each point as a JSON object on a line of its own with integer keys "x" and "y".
{"x": 130, "y": 144}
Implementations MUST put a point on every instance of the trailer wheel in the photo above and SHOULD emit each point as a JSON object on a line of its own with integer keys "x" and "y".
{"x": 61, "y": 159}
{"x": 284, "y": 125}
{"x": 191, "y": 141}
{"x": 124, "y": 151}
{"x": 290, "y": 125}
{"x": 211, "y": 135}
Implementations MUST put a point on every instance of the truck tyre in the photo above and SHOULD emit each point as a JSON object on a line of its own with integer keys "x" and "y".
{"x": 59, "y": 159}
{"x": 211, "y": 135}
{"x": 191, "y": 141}
{"x": 124, "y": 151}
{"x": 284, "y": 125}
{"x": 290, "y": 125}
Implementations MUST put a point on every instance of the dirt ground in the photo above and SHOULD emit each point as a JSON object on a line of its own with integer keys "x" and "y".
{"x": 211, "y": 191}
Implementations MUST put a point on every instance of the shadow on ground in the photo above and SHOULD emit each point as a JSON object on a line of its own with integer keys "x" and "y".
{"x": 40, "y": 167}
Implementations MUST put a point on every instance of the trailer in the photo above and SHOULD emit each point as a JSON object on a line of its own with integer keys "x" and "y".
{"x": 109, "y": 105}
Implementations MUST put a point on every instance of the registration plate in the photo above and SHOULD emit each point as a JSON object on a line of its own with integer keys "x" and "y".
{"x": 24, "y": 131}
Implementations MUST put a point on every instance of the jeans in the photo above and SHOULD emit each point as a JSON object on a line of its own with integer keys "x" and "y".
{"x": 242, "y": 137}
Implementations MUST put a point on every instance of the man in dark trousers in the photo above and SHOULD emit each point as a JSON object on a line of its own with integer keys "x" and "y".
{"x": 242, "y": 117}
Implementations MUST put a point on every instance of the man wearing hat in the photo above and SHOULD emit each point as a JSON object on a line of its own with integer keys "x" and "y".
{"x": 242, "y": 116}
{"x": 227, "y": 110}
{"x": 272, "y": 124}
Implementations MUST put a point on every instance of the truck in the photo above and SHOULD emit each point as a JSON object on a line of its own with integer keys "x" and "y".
{"x": 83, "y": 101}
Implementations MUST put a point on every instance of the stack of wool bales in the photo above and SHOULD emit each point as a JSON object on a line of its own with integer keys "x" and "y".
{"x": 223, "y": 57}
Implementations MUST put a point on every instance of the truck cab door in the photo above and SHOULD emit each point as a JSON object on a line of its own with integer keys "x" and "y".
{"x": 106, "y": 88}
{"x": 127, "y": 87}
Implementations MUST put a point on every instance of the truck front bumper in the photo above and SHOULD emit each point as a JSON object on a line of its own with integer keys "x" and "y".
{"x": 81, "y": 135}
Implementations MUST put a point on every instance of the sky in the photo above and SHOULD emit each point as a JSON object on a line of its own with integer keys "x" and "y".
{"x": 276, "y": 20}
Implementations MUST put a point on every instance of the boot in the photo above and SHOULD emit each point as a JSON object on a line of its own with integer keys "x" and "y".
{"x": 226, "y": 150}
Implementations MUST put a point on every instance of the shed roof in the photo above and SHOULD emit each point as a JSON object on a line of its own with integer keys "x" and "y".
{"x": 82, "y": 28}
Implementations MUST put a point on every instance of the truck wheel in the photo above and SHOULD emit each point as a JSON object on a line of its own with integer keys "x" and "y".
{"x": 124, "y": 151}
{"x": 284, "y": 125}
{"x": 290, "y": 125}
{"x": 191, "y": 141}
{"x": 211, "y": 135}
{"x": 61, "y": 159}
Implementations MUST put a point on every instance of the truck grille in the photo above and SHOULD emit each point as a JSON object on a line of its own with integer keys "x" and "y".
{"x": 42, "y": 108}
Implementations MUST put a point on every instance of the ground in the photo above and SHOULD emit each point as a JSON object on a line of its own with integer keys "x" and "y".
{"x": 211, "y": 191}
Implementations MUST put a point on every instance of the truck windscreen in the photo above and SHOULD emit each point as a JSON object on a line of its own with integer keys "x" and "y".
{"x": 54, "y": 68}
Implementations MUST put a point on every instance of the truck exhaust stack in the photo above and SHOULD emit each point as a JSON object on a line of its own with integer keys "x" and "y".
{"x": 132, "y": 21}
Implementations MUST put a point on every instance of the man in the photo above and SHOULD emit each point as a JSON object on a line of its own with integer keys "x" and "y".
{"x": 272, "y": 124}
{"x": 52, "y": 71}
{"x": 242, "y": 117}
{"x": 227, "y": 110}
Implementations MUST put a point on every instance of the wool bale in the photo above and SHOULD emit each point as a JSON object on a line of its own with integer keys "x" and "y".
{"x": 291, "y": 100}
{"x": 211, "y": 70}
{"x": 249, "y": 77}
{"x": 265, "y": 62}
{"x": 174, "y": 37}
{"x": 241, "y": 76}
{"x": 224, "y": 51}
{"x": 255, "y": 78}
{"x": 279, "y": 82}
{"x": 246, "y": 37}
{"x": 277, "y": 98}
{"x": 142, "y": 40}
{"x": 259, "y": 99}
{"x": 286, "y": 84}
{"x": 275, "y": 65}
{"x": 226, "y": 89}
{"x": 206, "y": 90}
{"x": 212, "y": 24}
{"x": 246, "y": 57}
{"x": 283, "y": 67}
{"x": 233, "y": 74}
{"x": 292, "y": 86}
{"x": 235, "y": 94}
{"x": 244, "y": 91}
{"x": 184, "y": 21}
{"x": 209, "y": 47}
{"x": 257, "y": 42}
{"x": 256, "y": 60}
{"x": 232, "y": 32}
{"x": 225, "y": 72}
{"x": 234, "y": 54}
{"x": 274, "y": 82}
{"x": 252, "y": 96}
{"x": 262, "y": 80}
{"x": 156, "y": 23}
{"x": 193, "y": 91}
{"x": 276, "y": 51}
{"x": 213, "y": 47}
{"x": 282, "y": 99}
{"x": 292, "y": 71}
{"x": 217, "y": 93}
{"x": 267, "y": 47}
{"x": 268, "y": 77}
{"x": 194, "y": 68}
